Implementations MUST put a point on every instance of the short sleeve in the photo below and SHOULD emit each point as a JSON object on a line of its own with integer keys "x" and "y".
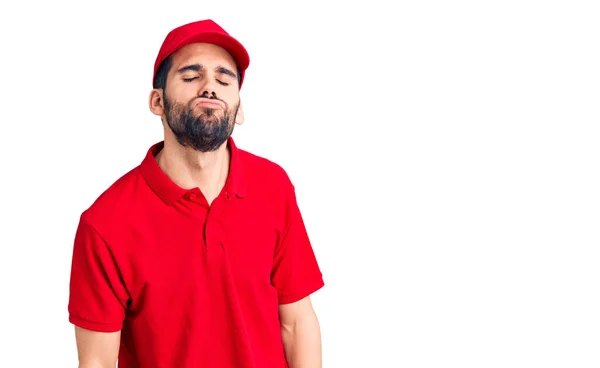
{"x": 296, "y": 273}
{"x": 97, "y": 295}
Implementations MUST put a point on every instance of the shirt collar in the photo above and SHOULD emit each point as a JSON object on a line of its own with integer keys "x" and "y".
{"x": 170, "y": 192}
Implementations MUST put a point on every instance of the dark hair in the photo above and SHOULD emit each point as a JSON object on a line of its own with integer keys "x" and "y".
{"x": 160, "y": 79}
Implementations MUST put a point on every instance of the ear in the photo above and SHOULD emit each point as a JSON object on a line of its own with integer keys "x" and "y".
{"x": 239, "y": 117}
{"x": 156, "y": 102}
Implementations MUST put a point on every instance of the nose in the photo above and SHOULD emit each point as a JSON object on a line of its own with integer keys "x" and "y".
{"x": 208, "y": 93}
{"x": 208, "y": 88}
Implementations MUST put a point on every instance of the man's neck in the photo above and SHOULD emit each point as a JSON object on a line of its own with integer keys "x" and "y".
{"x": 189, "y": 168}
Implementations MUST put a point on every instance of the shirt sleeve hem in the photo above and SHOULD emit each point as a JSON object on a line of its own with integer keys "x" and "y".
{"x": 302, "y": 293}
{"x": 95, "y": 326}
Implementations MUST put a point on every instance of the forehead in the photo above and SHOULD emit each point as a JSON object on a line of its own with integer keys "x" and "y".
{"x": 202, "y": 53}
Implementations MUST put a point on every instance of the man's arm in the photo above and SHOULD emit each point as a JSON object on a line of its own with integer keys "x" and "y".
{"x": 301, "y": 334}
{"x": 97, "y": 349}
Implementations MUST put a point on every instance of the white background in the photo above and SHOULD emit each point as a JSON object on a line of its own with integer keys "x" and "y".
{"x": 445, "y": 156}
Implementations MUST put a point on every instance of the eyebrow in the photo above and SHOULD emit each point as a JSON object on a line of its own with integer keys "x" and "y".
{"x": 193, "y": 67}
{"x": 198, "y": 67}
{"x": 223, "y": 70}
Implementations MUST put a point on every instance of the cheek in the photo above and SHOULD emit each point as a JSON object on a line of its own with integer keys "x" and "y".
{"x": 232, "y": 98}
{"x": 183, "y": 92}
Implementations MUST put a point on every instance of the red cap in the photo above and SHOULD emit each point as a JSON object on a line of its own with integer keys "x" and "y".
{"x": 203, "y": 31}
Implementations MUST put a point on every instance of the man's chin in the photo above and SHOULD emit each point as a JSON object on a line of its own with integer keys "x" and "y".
{"x": 209, "y": 118}
{"x": 209, "y": 111}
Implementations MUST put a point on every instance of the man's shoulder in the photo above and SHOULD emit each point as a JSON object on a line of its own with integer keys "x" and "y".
{"x": 113, "y": 202}
{"x": 262, "y": 168}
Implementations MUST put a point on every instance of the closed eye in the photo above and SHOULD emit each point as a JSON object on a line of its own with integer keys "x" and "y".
{"x": 222, "y": 83}
{"x": 189, "y": 79}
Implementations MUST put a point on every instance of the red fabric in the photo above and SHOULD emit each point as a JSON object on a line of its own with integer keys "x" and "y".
{"x": 203, "y": 31}
{"x": 191, "y": 286}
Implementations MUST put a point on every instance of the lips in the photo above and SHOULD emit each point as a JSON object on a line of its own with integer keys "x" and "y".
{"x": 205, "y": 102}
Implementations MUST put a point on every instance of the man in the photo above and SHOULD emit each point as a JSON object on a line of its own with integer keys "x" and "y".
{"x": 199, "y": 256}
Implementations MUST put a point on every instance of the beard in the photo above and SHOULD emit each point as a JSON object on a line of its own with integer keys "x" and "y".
{"x": 205, "y": 132}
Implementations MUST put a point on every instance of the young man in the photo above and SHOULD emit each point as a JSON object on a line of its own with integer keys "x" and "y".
{"x": 199, "y": 256}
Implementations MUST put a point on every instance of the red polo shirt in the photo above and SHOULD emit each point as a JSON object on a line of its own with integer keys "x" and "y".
{"x": 187, "y": 284}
